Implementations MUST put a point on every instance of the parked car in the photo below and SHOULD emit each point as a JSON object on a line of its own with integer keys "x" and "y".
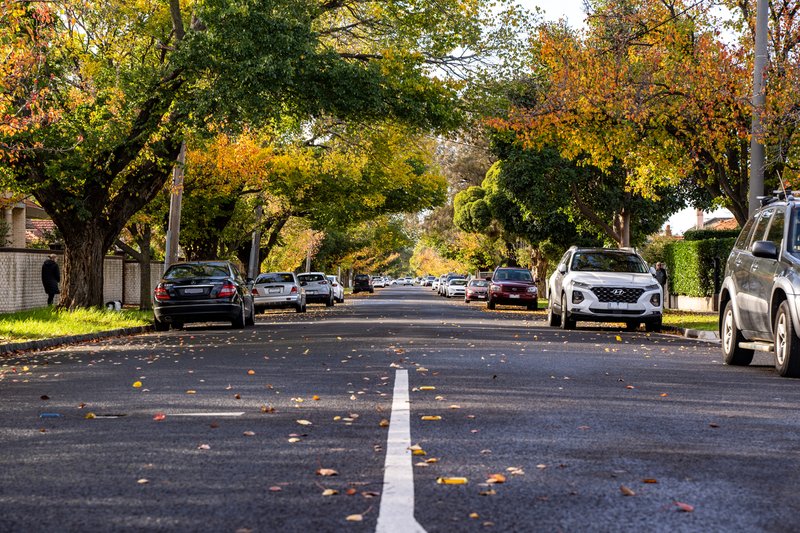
{"x": 449, "y": 277}
{"x": 760, "y": 292}
{"x": 362, "y": 283}
{"x": 318, "y": 288}
{"x": 435, "y": 284}
{"x": 338, "y": 289}
{"x": 202, "y": 291}
{"x": 427, "y": 281}
{"x": 456, "y": 287}
{"x": 604, "y": 285}
{"x": 279, "y": 289}
{"x": 477, "y": 289}
{"x": 513, "y": 286}
{"x": 378, "y": 281}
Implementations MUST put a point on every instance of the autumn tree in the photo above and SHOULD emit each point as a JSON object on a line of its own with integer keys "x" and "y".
{"x": 91, "y": 128}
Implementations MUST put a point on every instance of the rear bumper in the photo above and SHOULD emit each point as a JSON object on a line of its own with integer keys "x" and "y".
{"x": 318, "y": 298}
{"x": 198, "y": 311}
{"x": 277, "y": 301}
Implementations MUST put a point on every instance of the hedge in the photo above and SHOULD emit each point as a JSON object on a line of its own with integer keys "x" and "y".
{"x": 690, "y": 265}
{"x": 703, "y": 234}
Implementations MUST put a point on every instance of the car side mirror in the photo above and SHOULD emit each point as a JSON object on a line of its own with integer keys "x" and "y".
{"x": 562, "y": 269}
{"x": 765, "y": 249}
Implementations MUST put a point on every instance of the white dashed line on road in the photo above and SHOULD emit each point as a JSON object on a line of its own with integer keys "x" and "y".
{"x": 396, "y": 513}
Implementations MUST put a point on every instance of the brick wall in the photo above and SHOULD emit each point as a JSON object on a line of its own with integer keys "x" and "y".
{"x": 21, "y": 279}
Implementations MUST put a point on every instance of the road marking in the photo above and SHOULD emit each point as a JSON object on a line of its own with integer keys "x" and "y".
{"x": 396, "y": 513}
{"x": 217, "y": 415}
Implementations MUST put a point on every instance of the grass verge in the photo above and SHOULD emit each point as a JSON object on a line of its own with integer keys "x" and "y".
{"x": 690, "y": 320}
{"x": 51, "y": 322}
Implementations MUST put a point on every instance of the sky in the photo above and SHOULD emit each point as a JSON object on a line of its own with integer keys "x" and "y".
{"x": 572, "y": 10}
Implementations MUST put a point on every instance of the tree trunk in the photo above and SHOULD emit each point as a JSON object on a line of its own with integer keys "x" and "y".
{"x": 145, "y": 303}
{"x": 83, "y": 269}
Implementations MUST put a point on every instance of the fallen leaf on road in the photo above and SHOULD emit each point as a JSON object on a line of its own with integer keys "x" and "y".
{"x": 275, "y": 489}
{"x": 626, "y": 491}
{"x": 713, "y": 425}
{"x": 427, "y": 387}
{"x": 251, "y": 372}
{"x": 204, "y": 447}
{"x": 384, "y": 423}
{"x": 651, "y": 481}
{"x": 684, "y": 507}
{"x": 516, "y": 471}
{"x": 315, "y": 398}
{"x": 474, "y": 515}
{"x": 451, "y": 480}
{"x": 294, "y": 439}
{"x": 191, "y": 392}
{"x": 354, "y": 518}
{"x": 267, "y": 409}
{"x": 330, "y": 492}
{"x": 158, "y": 417}
{"x": 143, "y": 481}
{"x": 44, "y": 397}
{"x": 490, "y": 492}
{"x": 249, "y": 433}
{"x": 304, "y": 423}
{"x": 327, "y": 472}
{"x": 430, "y": 417}
{"x": 496, "y": 478}
{"x": 137, "y": 384}
{"x": 351, "y": 491}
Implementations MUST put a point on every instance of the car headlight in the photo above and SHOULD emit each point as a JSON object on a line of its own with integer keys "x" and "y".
{"x": 653, "y": 287}
{"x": 496, "y": 288}
{"x": 581, "y": 285}
{"x": 532, "y": 289}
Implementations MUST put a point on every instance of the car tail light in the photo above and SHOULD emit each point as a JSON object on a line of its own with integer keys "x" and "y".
{"x": 294, "y": 290}
{"x": 161, "y": 292}
{"x": 255, "y": 291}
{"x": 323, "y": 282}
{"x": 227, "y": 290}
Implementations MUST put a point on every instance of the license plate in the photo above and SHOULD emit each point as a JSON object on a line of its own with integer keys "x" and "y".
{"x": 194, "y": 290}
{"x": 275, "y": 291}
{"x": 513, "y": 296}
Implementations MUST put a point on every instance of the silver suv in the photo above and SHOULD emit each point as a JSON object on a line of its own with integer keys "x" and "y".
{"x": 758, "y": 300}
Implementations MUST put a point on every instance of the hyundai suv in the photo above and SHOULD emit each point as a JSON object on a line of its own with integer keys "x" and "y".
{"x": 604, "y": 285}
{"x": 758, "y": 300}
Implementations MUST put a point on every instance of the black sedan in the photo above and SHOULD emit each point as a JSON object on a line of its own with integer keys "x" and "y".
{"x": 202, "y": 291}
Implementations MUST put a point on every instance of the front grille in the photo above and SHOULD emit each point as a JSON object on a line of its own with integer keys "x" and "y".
{"x": 617, "y": 294}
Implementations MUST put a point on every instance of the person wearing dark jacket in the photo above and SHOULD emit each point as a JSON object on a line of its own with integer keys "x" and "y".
{"x": 51, "y": 277}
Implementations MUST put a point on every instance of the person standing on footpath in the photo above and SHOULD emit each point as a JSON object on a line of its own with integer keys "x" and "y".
{"x": 51, "y": 277}
{"x": 661, "y": 276}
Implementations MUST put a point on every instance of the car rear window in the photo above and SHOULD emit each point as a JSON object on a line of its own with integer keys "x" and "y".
{"x": 311, "y": 277}
{"x": 275, "y": 277}
{"x": 361, "y": 276}
{"x": 608, "y": 262}
{"x": 196, "y": 270}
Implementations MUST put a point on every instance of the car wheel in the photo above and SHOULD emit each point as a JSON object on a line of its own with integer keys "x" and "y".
{"x": 566, "y": 321}
{"x": 553, "y": 320}
{"x": 631, "y": 326}
{"x": 466, "y": 300}
{"x": 653, "y": 326}
{"x": 489, "y": 304}
{"x": 731, "y": 337}
{"x": 238, "y": 321}
{"x": 330, "y": 302}
{"x": 160, "y": 325}
{"x": 251, "y": 318}
{"x": 787, "y": 345}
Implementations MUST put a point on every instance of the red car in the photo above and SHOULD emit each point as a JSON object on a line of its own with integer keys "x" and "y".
{"x": 477, "y": 289}
{"x": 513, "y": 286}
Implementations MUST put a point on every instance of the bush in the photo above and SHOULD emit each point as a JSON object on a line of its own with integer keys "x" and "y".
{"x": 691, "y": 265}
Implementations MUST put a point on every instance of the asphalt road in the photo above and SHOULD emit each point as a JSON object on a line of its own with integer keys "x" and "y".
{"x": 244, "y": 430}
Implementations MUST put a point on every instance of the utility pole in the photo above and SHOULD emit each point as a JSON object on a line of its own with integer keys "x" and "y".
{"x": 252, "y": 270}
{"x": 175, "y": 200}
{"x": 757, "y": 156}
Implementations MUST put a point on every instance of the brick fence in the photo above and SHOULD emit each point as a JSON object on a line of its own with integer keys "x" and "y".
{"x": 21, "y": 279}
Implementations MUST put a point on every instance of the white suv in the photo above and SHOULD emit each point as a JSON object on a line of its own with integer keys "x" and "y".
{"x": 604, "y": 285}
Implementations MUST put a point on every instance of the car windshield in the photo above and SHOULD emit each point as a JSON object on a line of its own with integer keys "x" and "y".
{"x": 458, "y": 282}
{"x": 196, "y": 270}
{"x": 311, "y": 277}
{"x": 514, "y": 275}
{"x": 275, "y": 277}
{"x": 608, "y": 261}
{"x": 478, "y": 283}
